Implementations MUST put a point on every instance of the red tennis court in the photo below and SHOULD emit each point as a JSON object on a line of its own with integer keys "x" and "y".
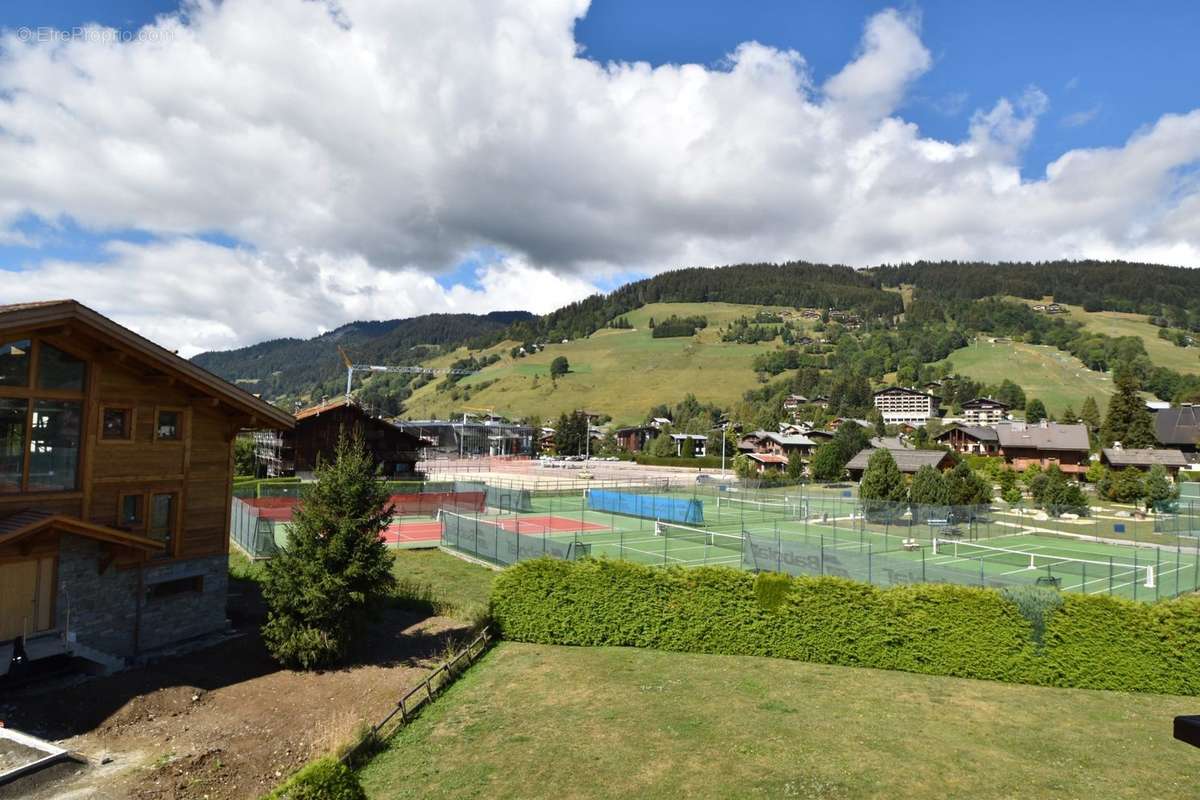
{"x": 403, "y": 532}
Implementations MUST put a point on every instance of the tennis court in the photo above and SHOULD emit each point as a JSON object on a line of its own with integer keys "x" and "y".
{"x": 832, "y": 534}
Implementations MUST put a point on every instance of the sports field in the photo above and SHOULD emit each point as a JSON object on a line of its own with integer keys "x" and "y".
{"x": 831, "y": 535}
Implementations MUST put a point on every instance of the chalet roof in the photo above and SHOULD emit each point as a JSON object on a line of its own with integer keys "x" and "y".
{"x": 984, "y": 402}
{"x": 24, "y": 524}
{"x": 32, "y": 317}
{"x": 889, "y": 443}
{"x": 1043, "y": 436}
{"x": 981, "y": 433}
{"x": 328, "y": 405}
{"x": 682, "y": 436}
{"x": 908, "y": 461}
{"x": 903, "y": 390}
{"x": 797, "y": 440}
{"x": 768, "y": 458}
{"x": 1143, "y": 457}
{"x": 1178, "y": 426}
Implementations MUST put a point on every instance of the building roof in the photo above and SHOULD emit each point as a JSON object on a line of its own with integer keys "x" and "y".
{"x": 797, "y": 440}
{"x": 328, "y": 405}
{"x": 981, "y": 433}
{"x": 903, "y": 390}
{"x": 689, "y": 436}
{"x": 29, "y": 523}
{"x": 889, "y": 442}
{"x": 1043, "y": 436}
{"x": 768, "y": 458}
{"x": 1178, "y": 426}
{"x": 908, "y": 461}
{"x": 1143, "y": 457}
{"x": 984, "y": 402}
{"x": 31, "y": 317}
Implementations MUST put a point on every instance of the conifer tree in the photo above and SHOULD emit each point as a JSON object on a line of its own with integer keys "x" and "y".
{"x": 335, "y": 572}
{"x": 1128, "y": 421}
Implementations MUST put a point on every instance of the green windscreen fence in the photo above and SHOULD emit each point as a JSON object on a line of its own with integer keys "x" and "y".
{"x": 502, "y": 542}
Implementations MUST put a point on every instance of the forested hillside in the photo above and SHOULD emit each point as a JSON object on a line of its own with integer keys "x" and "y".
{"x": 1151, "y": 289}
{"x": 285, "y": 370}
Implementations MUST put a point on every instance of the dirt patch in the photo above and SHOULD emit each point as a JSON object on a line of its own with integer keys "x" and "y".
{"x": 223, "y": 723}
{"x": 13, "y": 755}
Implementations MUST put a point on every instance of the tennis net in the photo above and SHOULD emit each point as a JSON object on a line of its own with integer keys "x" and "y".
{"x": 1049, "y": 562}
{"x": 727, "y": 541}
{"x": 794, "y": 509}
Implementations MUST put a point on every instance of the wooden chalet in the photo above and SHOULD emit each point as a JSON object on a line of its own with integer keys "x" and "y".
{"x": 975, "y": 439}
{"x": 908, "y": 461}
{"x": 296, "y": 451}
{"x": 116, "y": 464}
{"x": 1119, "y": 458}
{"x": 634, "y": 439}
{"x": 1045, "y": 444}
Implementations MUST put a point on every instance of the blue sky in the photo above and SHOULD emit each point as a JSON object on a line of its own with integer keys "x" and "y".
{"x": 440, "y": 168}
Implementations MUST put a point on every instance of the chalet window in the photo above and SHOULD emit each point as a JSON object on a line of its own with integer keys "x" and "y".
{"x": 169, "y": 427}
{"x": 41, "y": 422}
{"x": 14, "y": 362}
{"x": 13, "y": 414}
{"x": 132, "y": 512}
{"x": 54, "y": 437}
{"x": 117, "y": 424}
{"x": 59, "y": 371}
{"x": 162, "y": 517}
{"x": 158, "y": 591}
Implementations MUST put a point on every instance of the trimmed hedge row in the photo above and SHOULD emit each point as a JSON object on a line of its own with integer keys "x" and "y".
{"x": 939, "y": 629}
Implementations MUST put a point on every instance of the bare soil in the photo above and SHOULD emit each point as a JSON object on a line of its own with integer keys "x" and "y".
{"x": 222, "y": 723}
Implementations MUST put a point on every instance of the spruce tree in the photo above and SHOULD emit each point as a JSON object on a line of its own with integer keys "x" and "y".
{"x": 795, "y": 465}
{"x": 1035, "y": 411}
{"x": 1128, "y": 420}
{"x": 882, "y": 479}
{"x": 1089, "y": 415}
{"x": 335, "y": 572}
{"x": 1158, "y": 486}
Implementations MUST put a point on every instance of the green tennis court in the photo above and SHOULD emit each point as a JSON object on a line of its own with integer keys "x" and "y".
{"x": 829, "y": 534}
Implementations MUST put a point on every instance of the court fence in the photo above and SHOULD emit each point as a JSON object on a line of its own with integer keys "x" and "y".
{"x": 811, "y": 534}
{"x": 253, "y": 533}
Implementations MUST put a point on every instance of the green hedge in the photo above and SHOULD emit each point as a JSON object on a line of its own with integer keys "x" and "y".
{"x": 939, "y": 629}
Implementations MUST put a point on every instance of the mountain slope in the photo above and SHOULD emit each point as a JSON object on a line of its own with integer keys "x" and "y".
{"x": 297, "y": 369}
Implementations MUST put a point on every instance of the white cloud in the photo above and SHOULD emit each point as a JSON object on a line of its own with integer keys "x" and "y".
{"x": 1077, "y": 119}
{"x": 196, "y": 296}
{"x": 358, "y": 153}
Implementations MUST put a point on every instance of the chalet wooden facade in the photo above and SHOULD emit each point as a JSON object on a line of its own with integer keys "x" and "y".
{"x": 116, "y": 462}
{"x": 296, "y": 451}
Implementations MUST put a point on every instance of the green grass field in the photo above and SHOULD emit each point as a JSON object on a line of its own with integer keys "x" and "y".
{"x": 1116, "y": 323}
{"x": 533, "y": 721}
{"x": 619, "y": 372}
{"x": 1056, "y": 378}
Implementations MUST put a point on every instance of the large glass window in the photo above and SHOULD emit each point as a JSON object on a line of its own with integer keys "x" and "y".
{"x": 41, "y": 420}
{"x": 54, "y": 445}
{"x": 13, "y": 415}
{"x": 14, "y": 363}
{"x": 59, "y": 371}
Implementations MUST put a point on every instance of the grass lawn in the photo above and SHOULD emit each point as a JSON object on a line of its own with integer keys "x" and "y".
{"x": 555, "y": 722}
{"x": 444, "y": 584}
{"x": 455, "y": 588}
{"x": 603, "y": 366}
{"x": 1117, "y": 323}
{"x": 1056, "y": 378}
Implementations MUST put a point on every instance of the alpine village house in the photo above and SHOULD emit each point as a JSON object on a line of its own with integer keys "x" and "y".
{"x": 116, "y": 464}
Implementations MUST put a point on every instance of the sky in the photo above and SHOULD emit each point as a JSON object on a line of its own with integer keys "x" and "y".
{"x": 216, "y": 174}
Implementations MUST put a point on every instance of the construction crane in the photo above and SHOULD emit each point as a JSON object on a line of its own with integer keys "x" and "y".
{"x": 351, "y": 368}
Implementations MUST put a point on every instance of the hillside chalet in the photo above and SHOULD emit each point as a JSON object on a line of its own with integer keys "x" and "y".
{"x": 1179, "y": 428}
{"x": 984, "y": 411}
{"x": 1044, "y": 443}
{"x": 974, "y": 439}
{"x": 296, "y": 451}
{"x": 909, "y": 461}
{"x": 116, "y": 463}
{"x": 1119, "y": 458}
